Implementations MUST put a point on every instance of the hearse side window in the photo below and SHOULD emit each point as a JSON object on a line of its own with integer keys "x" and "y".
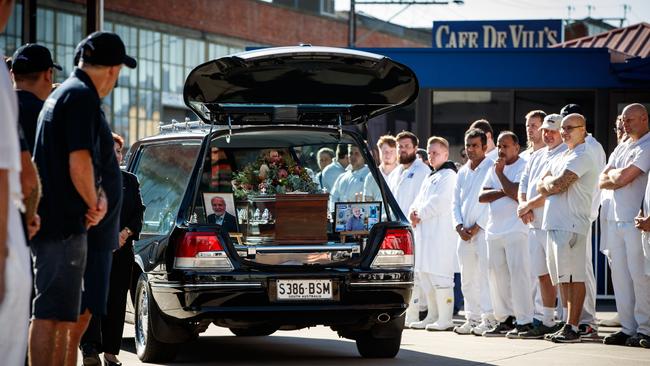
{"x": 164, "y": 171}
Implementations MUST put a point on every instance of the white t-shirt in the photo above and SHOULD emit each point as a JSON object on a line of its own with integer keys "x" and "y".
{"x": 536, "y": 167}
{"x": 467, "y": 209}
{"x": 348, "y": 185}
{"x": 598, "y": 153}
{"x": 493, "y": 154}
{"x": 571, "y": 210}
{"x": 9, "y": 144}
{"x": 371, "y": 188}
{"x": 330, "y": 174}
{"x": 627, "y": 199}
{"x": 502, "y": 213}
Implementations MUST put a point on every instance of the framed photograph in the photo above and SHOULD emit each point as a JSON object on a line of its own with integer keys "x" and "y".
{"x": 356, "y": 216}
{"x": 220, "y": 209}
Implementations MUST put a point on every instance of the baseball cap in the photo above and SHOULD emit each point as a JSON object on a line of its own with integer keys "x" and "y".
{"x": 570, "y": 108}
{"x": 104, "y": 48}
{"x": 32, "y": 57}
{"x": 552, "y": 122}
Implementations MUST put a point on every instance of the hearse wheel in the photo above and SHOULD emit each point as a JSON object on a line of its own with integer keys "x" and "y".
{"x": 148, "y": 348}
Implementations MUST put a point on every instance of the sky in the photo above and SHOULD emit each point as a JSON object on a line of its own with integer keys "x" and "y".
{"x": 423, "y": 15}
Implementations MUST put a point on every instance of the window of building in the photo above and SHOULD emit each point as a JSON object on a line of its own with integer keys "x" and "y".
{"x": 10, "y": 39}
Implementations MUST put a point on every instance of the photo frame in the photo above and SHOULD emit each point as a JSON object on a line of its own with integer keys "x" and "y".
{"x": 369, "y": 214}
{"x": 228, "y": 199}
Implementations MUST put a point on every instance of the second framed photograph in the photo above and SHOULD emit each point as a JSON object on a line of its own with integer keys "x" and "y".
{"x": 356, "y": 216}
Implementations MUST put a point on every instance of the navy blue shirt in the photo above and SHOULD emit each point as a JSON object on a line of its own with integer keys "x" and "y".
{"x": 29, "y": 106}
{"x": 69, "y": 121}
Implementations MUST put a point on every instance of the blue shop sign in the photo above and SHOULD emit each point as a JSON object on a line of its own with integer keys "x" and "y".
{"x": 497, "y": 34}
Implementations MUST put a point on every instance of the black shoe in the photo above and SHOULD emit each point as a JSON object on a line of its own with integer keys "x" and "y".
{"x": 619, "y": 338}
{"x": 566, "y": 335}
{"x": 501, "y": 329}
{"x": 519, "y": 329}
{"x": 556, "y": 329}
{"x": 111, "y": 363}
{"x": 90, "y": 356}
{"x": 644, "y": 341}
{"x": 635, "y": 340}
{"x": 587, "y": 331}
{"x": 537, "y": 332}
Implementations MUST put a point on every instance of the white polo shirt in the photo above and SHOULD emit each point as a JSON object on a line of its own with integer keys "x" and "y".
{"x": 467, "y": 209}
{"x": 502, "y": 213}
{"x": 627, "y": 199}
{"x": 371, "y": 188}
{"x": 571, "y": 210}
{"x": 536, "y": 167}
{"x": 330, "y": 174}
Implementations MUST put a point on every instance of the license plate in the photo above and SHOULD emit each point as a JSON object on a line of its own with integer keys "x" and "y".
{"x": 304, "y": 290}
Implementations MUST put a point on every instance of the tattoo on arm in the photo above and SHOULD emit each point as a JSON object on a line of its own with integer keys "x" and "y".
{"x": 562, "y": 183}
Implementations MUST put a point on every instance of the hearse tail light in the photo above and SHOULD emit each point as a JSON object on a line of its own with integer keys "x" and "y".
{"x": 201, "y": 251}
{"x": 396, "y": 250}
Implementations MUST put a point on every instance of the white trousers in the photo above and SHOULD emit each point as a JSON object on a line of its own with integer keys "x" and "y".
{"x": 631, "y": 284}
{"x": 509, "y": 272}
{"x": 473, "y": 260}
{"x": 537, "y": 251}
{"x": 14, "y": 309}
{"x": 588, "y": 315}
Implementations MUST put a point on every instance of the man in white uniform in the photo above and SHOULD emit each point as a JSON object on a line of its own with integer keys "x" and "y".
{"x": 569, "y": 190}
{"x": 484, "y": 125}
{"x": 349, "y": 185}
{"x": 331, "y": 172}
{"x": 530, "y": 210}
{"x": 15, "y": 271}
{"x": 627, "y": 176}
{"x": 506, "y": 235}
{"x": 405, "y": 184}
{"x": 387, "y": 146}
{"x": 470, "y": 219}
{"x": 435, "y": 238}
{"x": 608, "y": 221}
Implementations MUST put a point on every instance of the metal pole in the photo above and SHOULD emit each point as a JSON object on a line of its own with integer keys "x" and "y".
{"x": 352, "y": 26}
{"x": 29, "y": 21}
{"x": 94, "y": 15}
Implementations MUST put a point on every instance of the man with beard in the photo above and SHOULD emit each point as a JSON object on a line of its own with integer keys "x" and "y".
{"x": 470, "y": 217}
{"x": 434, "y": 238}
{"x": 349, "y": 185}
{"x": 388, "y": 155}
{"x": 569, "y": 190}
{"x": 405, "y": 185}
{"x": 531, "y": 210}
{"x": 506, "y": 235}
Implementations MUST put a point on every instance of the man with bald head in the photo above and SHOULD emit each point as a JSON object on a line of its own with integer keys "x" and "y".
{"x": 627, "y": 176}
{"x": 569, "y": 188}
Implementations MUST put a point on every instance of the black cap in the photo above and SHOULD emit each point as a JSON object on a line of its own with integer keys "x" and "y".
{"x": 570, "y": 109}
{"x": 32, "y": 57}
{"x": 104, "y": 48}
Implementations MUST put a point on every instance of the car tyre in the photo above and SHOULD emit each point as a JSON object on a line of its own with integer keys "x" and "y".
{"x": 372, "y": 347}
{"x": 253, "y": 331}
{"x": 148, "y": 348}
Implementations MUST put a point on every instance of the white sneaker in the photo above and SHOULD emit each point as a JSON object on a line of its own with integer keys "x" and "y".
{"x": 466, "y": 328}
{"x": 486, "y": 324}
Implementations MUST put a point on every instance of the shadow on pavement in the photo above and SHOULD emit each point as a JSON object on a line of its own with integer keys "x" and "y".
{"x": 289, "y": 351}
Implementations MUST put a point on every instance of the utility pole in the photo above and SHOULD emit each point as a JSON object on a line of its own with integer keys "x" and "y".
{"x": 589, "y": 9}
{"x": 570, "y": 8}
{"x": 626, "y": 8}
{"x": 352, "y": 26}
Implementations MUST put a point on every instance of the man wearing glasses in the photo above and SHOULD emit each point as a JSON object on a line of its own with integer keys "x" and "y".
{"x": 569, "y": 190}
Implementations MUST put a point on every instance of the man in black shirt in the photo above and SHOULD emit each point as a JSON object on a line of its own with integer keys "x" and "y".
{"x": 67, "y": 153}
{"x": 32, "y": 70}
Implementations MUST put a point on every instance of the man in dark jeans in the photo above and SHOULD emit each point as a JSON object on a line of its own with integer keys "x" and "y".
{"x": 104, "y": 334}
{"x": 67, "y": 154}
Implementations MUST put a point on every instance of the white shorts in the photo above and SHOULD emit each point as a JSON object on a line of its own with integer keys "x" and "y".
{"x": 537, "y": 249}
{"x": 566, "y": 256}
